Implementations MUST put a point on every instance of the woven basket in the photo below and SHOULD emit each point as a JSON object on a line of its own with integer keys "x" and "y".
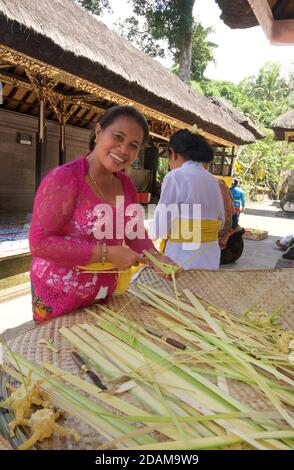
{"x": 232, "y": 290}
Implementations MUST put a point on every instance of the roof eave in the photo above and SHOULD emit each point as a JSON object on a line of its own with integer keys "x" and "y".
{"x": 44, "y": 49}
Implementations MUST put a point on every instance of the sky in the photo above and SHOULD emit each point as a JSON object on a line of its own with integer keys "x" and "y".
{"x": 241, "y": 52}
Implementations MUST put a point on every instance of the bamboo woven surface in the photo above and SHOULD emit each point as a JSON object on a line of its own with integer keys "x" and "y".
{"x": 4, "y": 444}
{"x": 28, "y": 345}
{"x": 235, "y": 291}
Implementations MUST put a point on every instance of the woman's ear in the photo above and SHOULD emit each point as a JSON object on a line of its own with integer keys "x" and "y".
{"x": 173, "y": 155}
{"x": 172, "y": 159}
{"x": 98, "y": 129}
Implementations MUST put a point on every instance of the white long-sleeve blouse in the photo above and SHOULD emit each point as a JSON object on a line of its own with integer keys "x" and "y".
{"x": 189, "y": 185}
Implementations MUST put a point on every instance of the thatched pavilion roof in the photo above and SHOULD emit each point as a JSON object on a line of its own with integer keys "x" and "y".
{"x": 63, "y": 35}
{"x": 238, "y": 116}
{"x": 284, "y": 123}
{"x": 239, "y": 13}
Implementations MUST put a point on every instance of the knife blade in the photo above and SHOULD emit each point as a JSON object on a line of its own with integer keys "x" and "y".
{"x": 83, "y": 366}
{"x": 173, "y": 342}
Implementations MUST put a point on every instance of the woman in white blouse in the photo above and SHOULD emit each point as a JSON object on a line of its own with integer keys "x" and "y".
{"x": 190, "y": 211}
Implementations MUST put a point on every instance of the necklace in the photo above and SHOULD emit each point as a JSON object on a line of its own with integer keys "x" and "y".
{"x": 98, "y": 189}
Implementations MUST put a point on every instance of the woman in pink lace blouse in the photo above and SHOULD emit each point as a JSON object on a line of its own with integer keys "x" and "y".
{"x": 69, "y": 223}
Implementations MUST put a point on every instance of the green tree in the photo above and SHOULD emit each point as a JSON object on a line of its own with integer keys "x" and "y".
{"x": 269, "y": 84}
{"x": 157, "y": 20}
{"x": 170, "y": 21}
{"x": 259, "y": 165}
{"x": 95, "y": 6}
{"x": 202, "y": 53}
{"x": 138, "y": 33}
{"x": 262, "y": 98}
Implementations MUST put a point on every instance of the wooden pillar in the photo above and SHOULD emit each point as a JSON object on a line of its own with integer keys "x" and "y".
{"x": 232, "y": 161}
{"x": 41, "y": 86}
{"x": 63, "y": 114}
{"x": 64, "y": 110}
{"x": 62, "y": 148}
{"x": 41, "y": 144}
{"x": 223, "y": 161}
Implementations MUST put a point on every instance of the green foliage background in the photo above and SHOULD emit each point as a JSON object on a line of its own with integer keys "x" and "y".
{"x": 262, "y": 97}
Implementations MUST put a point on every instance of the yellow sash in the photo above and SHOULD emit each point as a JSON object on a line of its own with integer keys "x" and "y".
{"x": 192, "y": 231}
{"x": 124, "y": 277}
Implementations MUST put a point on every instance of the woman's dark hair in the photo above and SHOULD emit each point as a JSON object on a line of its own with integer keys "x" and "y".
{"x": 191, "y": 146}
{"x": 114, "y": 113}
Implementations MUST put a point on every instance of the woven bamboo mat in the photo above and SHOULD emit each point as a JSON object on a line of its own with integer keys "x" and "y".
{"x": 231, "y": 290}
{"x": 235, "y": 291}
{"x": 28, "y": 345}
{"x": 4, "y": 444}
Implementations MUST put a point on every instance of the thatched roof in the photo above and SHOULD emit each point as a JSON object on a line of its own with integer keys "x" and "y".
{"x": 284, "y": 123}
{"x": 86, "y": 48}
{"x": 237, "y": 13}
{"x": 238, "y": 116}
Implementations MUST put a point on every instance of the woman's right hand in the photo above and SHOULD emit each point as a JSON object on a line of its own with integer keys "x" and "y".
{"x": 123, "y": 257}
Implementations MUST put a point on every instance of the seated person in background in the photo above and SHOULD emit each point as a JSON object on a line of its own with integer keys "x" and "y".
{"x": 289, "y": 254}
{"x": 230, "y": 237}
{"x": 228, "y": 206}
{"x": 285, "y": 242}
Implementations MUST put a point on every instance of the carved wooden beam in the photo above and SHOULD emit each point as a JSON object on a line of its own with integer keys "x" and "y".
{"x": 62, "y": 108}
{"x": 36, "y": 66}
{"x": 15, "y": 81}
{"x": 55, "y": 96}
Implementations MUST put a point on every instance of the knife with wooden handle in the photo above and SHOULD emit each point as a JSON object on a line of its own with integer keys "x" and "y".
{"x": 173, "y": 342}
{"x": 83, "y": 366}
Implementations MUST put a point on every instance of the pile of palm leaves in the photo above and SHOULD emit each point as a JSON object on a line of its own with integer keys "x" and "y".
{"x": 172, "y": 376}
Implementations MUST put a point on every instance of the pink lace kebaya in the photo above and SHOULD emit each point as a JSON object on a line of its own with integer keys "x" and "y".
{"x": 66, "y": 212}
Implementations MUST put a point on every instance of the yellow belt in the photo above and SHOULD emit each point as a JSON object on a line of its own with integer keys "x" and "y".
{"x": 124, "y": 277}
{"x": 192, "y": 231}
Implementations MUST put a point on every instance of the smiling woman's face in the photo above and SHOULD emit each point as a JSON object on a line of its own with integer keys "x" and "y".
{"x": 118, "y": 145}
